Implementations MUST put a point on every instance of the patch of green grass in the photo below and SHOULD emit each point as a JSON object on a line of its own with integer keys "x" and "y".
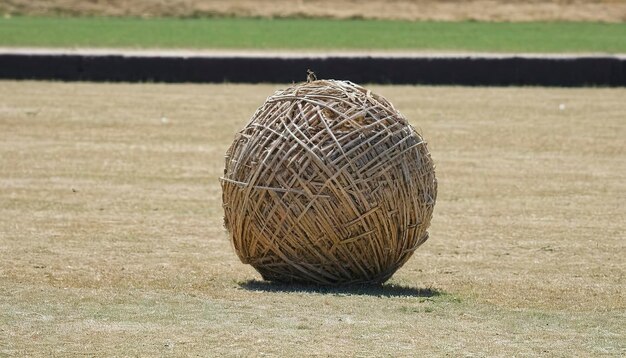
{"x": 247, "y": 33}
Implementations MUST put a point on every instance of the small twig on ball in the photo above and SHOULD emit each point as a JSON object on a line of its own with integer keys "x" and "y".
{"x": 310, "y": 76}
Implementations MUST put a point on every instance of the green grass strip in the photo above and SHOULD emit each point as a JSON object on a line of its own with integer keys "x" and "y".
{"x": 246, "y": 33}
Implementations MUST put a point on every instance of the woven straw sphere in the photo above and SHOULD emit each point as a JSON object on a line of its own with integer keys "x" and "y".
{"x": 327, "y": 184}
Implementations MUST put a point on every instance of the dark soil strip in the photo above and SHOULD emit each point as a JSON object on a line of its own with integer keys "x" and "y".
{"x": 471, "y": 71}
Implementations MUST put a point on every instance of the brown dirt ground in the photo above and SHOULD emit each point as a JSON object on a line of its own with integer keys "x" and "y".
{"x": 449, "y": 10}
{"x": 111, "y": 238}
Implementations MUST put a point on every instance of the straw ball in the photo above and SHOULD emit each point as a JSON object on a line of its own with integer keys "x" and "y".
{"x": 328, "y": 184}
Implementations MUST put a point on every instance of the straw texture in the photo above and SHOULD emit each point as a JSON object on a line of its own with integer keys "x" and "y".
{"x": 328, "y": 184}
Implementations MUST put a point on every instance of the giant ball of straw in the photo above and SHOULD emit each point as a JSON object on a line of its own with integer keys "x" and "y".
{"x": 328, "y": 184}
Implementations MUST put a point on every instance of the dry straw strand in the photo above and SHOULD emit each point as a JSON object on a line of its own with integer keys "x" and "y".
{"x": 327, "y": 183}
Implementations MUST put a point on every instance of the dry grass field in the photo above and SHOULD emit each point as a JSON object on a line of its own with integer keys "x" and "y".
{"x": 111, "y": 237}
{"x": 447, "y": 10}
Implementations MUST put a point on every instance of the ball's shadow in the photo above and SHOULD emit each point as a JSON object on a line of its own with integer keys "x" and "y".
{"x": 384, "y": 290}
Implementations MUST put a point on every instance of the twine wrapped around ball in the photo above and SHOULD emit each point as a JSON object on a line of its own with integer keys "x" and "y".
{"x": 327, "y": 184}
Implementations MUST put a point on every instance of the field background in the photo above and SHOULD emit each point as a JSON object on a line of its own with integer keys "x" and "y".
{"x": 112, "y": 239}
{"x": 313, "y": 34}
{"x": 551, "y": 26}
{"x": 448, "y": 10}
